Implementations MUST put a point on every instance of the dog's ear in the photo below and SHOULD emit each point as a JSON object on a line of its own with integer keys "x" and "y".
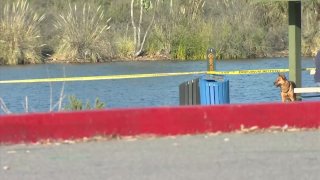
{"x": 283, "y": 76}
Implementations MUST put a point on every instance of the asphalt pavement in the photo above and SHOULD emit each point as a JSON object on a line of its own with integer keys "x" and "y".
{"x": 281, "y": 155}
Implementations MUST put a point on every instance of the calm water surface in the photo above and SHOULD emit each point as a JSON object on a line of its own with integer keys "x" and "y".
{"x": 161, "y": 91}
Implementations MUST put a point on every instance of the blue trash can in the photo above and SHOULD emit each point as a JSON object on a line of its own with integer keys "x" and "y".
{"x": 214, "y": 90}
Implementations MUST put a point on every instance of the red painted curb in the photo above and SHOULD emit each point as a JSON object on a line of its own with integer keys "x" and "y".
{"x": 156, "y": 121}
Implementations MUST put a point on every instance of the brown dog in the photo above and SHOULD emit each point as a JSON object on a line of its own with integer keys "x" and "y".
{"x": 286, "y": 88}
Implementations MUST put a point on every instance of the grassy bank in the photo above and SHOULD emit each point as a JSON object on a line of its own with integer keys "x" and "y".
{"x": 36, "y": 31}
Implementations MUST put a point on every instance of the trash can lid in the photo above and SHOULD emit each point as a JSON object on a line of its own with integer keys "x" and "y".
{"x": 213, "y": 77}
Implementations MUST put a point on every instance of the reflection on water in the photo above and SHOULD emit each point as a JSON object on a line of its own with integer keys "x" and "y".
{"x": 161, "y": 91}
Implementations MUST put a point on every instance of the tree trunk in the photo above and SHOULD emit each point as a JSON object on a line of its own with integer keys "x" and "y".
{"x": 137, "y": 29}
{"x": 133, "y": 24}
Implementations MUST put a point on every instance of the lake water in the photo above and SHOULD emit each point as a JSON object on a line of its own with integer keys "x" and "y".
{"x": 144, "y": 92}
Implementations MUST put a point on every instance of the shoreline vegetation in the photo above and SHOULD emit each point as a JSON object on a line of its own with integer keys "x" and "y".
{"x": 93, "y": 31}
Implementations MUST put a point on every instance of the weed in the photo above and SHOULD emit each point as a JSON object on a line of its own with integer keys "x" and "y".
{"x": 82, "y": 32}
{"x": 19, "y": 34}
{"x": 76, "y": 104}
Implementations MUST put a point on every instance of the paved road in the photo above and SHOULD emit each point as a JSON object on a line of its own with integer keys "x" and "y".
{"x": 288, "y": 155}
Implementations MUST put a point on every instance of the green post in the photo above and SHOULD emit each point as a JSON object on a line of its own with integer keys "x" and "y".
{"x": 211, "y": 64}
{"x": 295, "y": 42}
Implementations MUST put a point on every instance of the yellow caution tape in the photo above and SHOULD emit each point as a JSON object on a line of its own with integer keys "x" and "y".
{"x": 308, "y": 69}
{"x": 94, "y": 78}
{"x": 132, "y": 76}
{"x": 260, "y": 71}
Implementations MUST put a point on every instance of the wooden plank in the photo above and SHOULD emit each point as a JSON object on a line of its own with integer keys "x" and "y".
{"x": 307, "y": 90}
{"x": 310, "y": 96}
{"x": 312, "y": 72}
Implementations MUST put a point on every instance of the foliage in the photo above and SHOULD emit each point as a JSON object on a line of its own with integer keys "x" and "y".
{"x": 82, "y": 32}
{"x": 190, "y": 44}
{"x": 125, "y": 47}
{"x": 238, "y": 33}
{"x": 19, "y": 34}
{"x": 76, "y": 104}
{"x": 180, "y": 29}
{"x": 146, "y": 8}
{"x": 311, "y": 27}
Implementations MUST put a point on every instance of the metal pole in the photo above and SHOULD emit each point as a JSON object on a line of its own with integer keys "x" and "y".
{"x": 211, "y": 64}
{"x": 295, "y": 42}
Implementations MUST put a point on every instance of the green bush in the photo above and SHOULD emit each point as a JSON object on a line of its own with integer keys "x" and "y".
{"x": 83, "y": 34}
{"x": 76, "y": 104}
{"x": 191, "y": 43}
{"x": 125, "y": 47}
{"x": 19, "y": 34}
{"x": 240, "y": 34}
{"x": 159, "y": 40}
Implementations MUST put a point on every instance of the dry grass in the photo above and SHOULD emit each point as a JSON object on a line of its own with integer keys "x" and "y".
{"x": 19, "y": 34}
{"x": 83, "y": 34}
{"x": 125, "y": 47}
